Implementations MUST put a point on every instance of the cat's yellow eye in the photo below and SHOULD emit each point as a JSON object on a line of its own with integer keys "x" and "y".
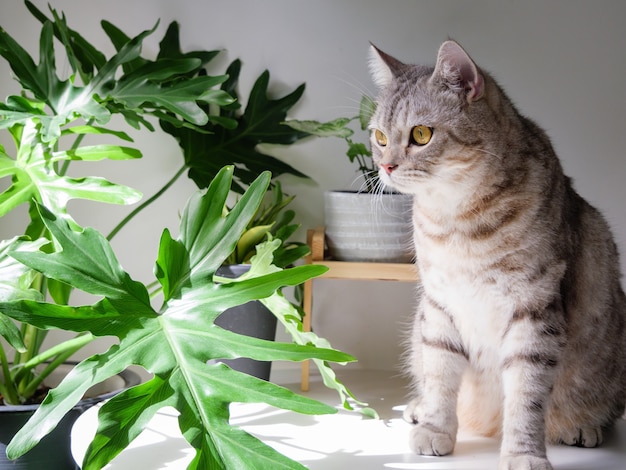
{"x": 381, "y": 139}
{"x": 421, "y": 135}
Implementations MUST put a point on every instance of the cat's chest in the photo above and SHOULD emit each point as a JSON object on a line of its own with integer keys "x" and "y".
{"x": 482, "y": 306}
{"x": 479, "y": 305}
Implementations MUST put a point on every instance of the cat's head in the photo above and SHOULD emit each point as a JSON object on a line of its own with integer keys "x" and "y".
{"x": 430, "y": 122}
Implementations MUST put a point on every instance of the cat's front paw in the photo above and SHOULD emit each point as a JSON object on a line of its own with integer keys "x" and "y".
{"x": 523, "y": 462}
{"x": 425, "y": 440}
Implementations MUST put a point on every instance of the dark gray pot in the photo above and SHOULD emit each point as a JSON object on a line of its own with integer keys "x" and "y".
{"x": 251, "y": 319}
{"x": 53, "y": 451}
{"x": 368, "y": 227}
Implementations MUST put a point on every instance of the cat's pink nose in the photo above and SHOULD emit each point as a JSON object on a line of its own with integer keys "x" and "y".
{"x": 389, "y": 167}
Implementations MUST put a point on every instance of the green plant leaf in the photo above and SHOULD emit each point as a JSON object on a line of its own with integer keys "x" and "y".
{"x": 334, "y": 128}
{"x": 139, "y": 87}
{"x": 248, "y": 241}
{"x": 35, "y": 175}
{"x": 366, "y": 111}
{"x": 84, "y": 130}
{"x": 85, "y": 262}
{"x": 357, "y": 152}
{"x": 83, "y": 57}
{"x": 145, "y": 87}
{"x": 260, "y": 123}
{"x": 138, "y": 405}
{"x": 19, "y": 109}
{"x": 22, "y": 63}
{"x": 64, "y": 98}
{"x": 356, "y": 149}
{"x": 15, "y": 284}
{"x": 15, "y": 277}
{"x": 119, "y": 39}
{"x": 95, "y": 153}
{"x": 292, "y": 321}
{"x": 182, "y": 331}
{"x": 169, "y": 47}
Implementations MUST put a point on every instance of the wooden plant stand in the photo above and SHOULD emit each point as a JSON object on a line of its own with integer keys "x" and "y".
{"x": 344, "y": 270}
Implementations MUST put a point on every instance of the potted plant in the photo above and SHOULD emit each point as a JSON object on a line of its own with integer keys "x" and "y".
{"x": 371, "y": 224}
{"x": 182, "y": 330}
{"x": 55, "y": 255}
{"x": 273, "y": 221}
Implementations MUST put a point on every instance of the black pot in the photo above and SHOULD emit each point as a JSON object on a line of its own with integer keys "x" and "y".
{"x": 250, "y": 319}
{"x": 53, "y": 451}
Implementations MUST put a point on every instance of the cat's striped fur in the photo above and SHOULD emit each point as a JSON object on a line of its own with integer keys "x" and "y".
{"x": 520, "y": 307}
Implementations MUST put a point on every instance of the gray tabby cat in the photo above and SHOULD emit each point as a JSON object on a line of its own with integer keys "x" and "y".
{"x": 521, "y": 325}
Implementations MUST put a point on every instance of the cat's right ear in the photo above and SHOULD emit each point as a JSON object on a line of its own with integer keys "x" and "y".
{"x": 457, "y": 70}
{"x": 383, "y": 67}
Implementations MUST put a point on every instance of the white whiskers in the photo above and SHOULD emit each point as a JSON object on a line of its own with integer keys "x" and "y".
{"x": 489, "y": 153}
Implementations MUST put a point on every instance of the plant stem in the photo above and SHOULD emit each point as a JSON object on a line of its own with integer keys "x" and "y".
{"x": 79, "y": 139}
{"x": 7, "y": 388}
{"x": 32, "y": 339}
{"x": 60, "y": 353}
{"x": 137, "y": 210}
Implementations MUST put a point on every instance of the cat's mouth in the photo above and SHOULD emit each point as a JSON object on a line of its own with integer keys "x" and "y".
{"x": 402, "y": 180}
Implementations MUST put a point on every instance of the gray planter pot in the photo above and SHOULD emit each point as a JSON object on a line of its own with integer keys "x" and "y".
{"x": 54, "y": 450}
{"x": 369, "y": 227}
{"x": 251, "y": 319}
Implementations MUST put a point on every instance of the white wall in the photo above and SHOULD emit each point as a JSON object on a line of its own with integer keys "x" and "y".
{"x": 563, "y": 63}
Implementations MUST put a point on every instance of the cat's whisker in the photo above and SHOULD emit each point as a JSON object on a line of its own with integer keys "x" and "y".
{"x": 364, "y": 185}
{"x": 488, "y": 153}
{"x": 355, "y": 84}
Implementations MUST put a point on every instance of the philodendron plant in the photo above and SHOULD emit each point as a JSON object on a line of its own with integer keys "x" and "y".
{"x": 55, "y": 255}
{"x": 174, "y": 341}
{"x": 52, "y": 117}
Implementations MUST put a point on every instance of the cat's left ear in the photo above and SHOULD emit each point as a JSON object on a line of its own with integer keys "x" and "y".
{"x": 383, "y": 67}
{"x": 457, "y": 70}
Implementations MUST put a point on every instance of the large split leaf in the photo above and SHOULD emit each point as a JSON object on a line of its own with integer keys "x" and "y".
{"x": 170, "y": 88}
{"x": 173, "y": 342}
{"x": 35, "y": 173}
{"x": 149, "y": 87}
{"x": 262, "y": 122}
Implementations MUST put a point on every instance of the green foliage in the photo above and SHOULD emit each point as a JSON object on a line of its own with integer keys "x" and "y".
{"x": 182, "y": 330}
{"x": 38, "y": 122}
{"x": 271, "y": 221}
{"x": 357, "y": 152}
{"x": 53, "y": 115}
{"x": 48, "y": 123}
{"x": 38, "y": 271}
{"x": 260, "y": 123}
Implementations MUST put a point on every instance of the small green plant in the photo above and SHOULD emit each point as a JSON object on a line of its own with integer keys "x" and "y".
{"x": 272, "y": 221}
{"x": 358, "y": 152}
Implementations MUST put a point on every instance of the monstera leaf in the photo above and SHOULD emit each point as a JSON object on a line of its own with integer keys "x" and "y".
{"x": 174, "y": 342}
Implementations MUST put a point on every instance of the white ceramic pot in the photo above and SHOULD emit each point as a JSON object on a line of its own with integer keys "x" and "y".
{"x": 369, "y": 227}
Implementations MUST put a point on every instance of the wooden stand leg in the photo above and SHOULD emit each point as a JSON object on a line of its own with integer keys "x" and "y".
{"x": 315, "y": 240}
{"x": 306, "y": 326}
